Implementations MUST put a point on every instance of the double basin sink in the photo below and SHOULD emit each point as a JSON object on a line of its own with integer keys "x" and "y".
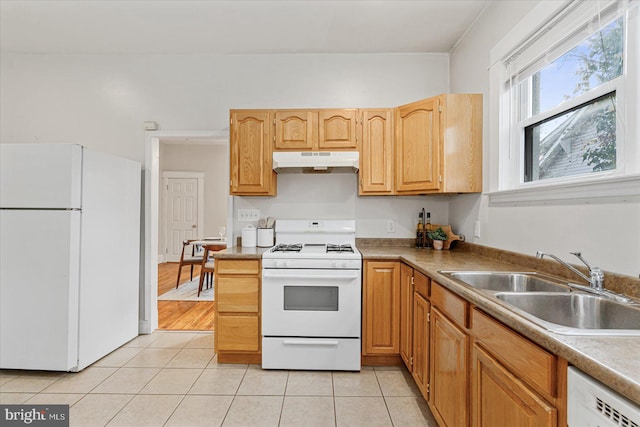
{"x": 553, "y": 304}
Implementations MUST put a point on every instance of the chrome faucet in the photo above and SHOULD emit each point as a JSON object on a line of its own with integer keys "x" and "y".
{"x": 596, "y": 281}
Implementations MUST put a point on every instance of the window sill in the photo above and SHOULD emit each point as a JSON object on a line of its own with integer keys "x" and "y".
{"x": 621, "y": 188}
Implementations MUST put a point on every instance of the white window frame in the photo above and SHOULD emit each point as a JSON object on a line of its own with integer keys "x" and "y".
{"x": 506, "y": 157}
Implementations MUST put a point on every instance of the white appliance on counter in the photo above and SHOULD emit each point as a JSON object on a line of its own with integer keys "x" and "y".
{"x": 591, "y": 404}
{"x": 311, "y": 297}
{"x": 69, "y": 255}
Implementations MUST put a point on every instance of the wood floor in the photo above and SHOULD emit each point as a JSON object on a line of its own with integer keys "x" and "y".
{"x": 182, "y": 315}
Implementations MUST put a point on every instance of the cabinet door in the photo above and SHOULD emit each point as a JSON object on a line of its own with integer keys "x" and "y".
{"x": 448, "y": 373}
{"x": 421, "y": 343}
{"x": 251, "y": 154}
{"x": 381, "y": 308}
{"x": 337, "y": 129}
{"x": 238, "y": 294}
{"x": 237, "y": 333}
{"x": 376, "y": 162}
{"x": 500, "y": 399}
{"x": 406, "y": 315}
{"x": 418, "y": 147}
{"x": 295, "y": 130}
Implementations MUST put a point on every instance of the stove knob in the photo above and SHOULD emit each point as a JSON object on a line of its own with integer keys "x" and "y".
{"x": 282, "y": 263}
{"x": 342, "y": 264}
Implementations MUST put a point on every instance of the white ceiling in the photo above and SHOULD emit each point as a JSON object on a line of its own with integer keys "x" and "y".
{"x": 234, "y": 27}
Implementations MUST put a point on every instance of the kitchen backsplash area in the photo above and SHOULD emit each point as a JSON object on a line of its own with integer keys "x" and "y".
{"x": 334, "y": 196}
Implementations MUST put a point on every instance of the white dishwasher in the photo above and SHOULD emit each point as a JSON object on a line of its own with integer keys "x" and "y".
{"x": 592, "y": 404}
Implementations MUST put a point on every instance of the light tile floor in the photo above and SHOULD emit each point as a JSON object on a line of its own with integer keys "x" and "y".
{"x": 174, "y": 379}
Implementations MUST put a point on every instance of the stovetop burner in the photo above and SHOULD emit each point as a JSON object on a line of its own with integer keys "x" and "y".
{"x": 283, "y": 247}
{"x": 339, "y": 248}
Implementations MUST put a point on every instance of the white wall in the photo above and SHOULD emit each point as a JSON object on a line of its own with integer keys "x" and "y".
{"x": 213, "y": 161}
{"x": 334, "y": 196}
{"x": 606, "y": 231}
{"x": 103, "y": 100}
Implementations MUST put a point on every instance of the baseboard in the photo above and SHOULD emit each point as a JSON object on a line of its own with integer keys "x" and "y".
{"x": 144, "y": 328}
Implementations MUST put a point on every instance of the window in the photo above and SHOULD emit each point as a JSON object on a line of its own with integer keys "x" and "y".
{"x": 579, "y": 139}
{"x": 567, "y": 97}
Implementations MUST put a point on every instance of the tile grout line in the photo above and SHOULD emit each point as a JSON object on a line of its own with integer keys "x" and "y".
{"x": 283, "y": 397}
{"x": 333, "y": 397}
{"x": 384, "y": 397}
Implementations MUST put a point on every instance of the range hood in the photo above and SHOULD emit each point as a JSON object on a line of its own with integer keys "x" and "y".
{"x": 316, "y": 161}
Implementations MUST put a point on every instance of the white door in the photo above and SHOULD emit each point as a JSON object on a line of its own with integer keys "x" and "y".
{"x": 182, "y": 214}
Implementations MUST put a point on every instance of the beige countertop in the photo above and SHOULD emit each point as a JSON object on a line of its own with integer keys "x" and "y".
{"x": 240, "y": 252}
{"x": 615, "y": 361}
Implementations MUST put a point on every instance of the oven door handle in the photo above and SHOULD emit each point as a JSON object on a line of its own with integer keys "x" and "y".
{"x": 333, "y": 343}
{"x": 266, "y": 275}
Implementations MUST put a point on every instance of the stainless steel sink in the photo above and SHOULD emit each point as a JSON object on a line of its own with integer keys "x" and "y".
{"x": 576, "y": 313}
{"x": 503, "y": 281}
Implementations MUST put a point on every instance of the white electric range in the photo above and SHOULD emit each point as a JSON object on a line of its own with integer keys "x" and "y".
{"x": 311, "y": 297}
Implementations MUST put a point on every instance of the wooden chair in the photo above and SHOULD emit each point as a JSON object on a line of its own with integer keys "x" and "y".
{"x": 191, "y": 260}
{"x": 207, "y": 269}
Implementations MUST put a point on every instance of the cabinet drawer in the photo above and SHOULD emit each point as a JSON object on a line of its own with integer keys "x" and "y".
{"x": 421, "y": 284}
{"x": 238, "y": 333}
{"x": 237, "y": 266}
{"x": 237, "y": 294}
{"x": 449, "y": 303}
{"x": 529, "y": 362}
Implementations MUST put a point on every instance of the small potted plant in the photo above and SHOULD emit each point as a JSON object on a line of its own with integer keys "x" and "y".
{"x": 438, "y": 236}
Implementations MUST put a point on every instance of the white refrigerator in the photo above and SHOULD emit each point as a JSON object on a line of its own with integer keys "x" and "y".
{"x": 69, "y": 255}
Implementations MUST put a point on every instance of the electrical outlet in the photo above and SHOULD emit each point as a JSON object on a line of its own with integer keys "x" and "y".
{"x": 476, "y": 229}
{"x": 248, "y": 215}
{"x": 391, "y": 226}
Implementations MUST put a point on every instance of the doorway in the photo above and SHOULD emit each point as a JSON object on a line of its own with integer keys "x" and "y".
{"x": 154, "y": 242}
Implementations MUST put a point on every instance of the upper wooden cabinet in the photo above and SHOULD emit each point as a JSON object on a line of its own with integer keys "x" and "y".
{"x": 431, "y": 146}
{"x": 318, "y": 130}
{"x": 417, "y": 141}
{"x": 376, "y": 159}
{"x": 461, "y": 143}
{"x": 439, "y": 145}
{"x": 295, "y": 129}
{"x": 337, "y": 129}
{"x": 251, "y": 154}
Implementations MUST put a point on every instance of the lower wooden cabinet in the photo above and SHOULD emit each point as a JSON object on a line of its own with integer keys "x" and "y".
{"x": 238, "y": 333}
{"x": 381, "y": 308}
{"x": 420, "y": 358}
{"x": 449, "y": 371}
{"x": 406, "y": 315}
{"x": 237, "y": 294}
{"x": 500, "y": 399}
{"x": 513, "y": 380}
{"x": 471, "y": 369}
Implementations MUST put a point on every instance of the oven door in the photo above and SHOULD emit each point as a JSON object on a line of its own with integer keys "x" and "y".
{"x": 311, "y": 303}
